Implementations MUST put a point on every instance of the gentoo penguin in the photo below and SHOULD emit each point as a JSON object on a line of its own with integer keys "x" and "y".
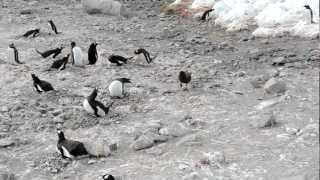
{"x": 116, "y": 88}
{"x": 61, "y": 63}
{"x": 92, "y": 53}
{"x": 33, "y": 32}
{"x": 76, "y": 55}
{"x": 206, "y": 14}
{"x": 184, "y": 77}
{"x": 108, "y": 177}
{"x": 142, "y": 54}
{"x": 15, "y": 53}
{"x": 41, "y": 85}
{"x": 119, "y": 60}
{"x": 311, "y": 13}
{"x": 53, "y": 27}
{"x": 48, "y": 53}
{"x": 92, "y": 106}
{"x": 69, "y": 148}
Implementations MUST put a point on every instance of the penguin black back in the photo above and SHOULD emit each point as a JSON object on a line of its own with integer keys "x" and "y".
{"x": 69, "y": 148}
{"x": 311, "y": 13}
{"x": 124, "y": 80}
{"x": 33, "y": 32}
{"x": 108, "y": 177}
{"x": 206, "y": 14}
{"x": 119, "y": 60}
{"x": 40, "y": 85}
{"x": 53, "y": 27}
{"x": 92, "y": 53}
{"x": 16, "y": 53}
{"x": 184, "y": 77}
{"x": 96, "y": 105}
{"x": 48, "y": 53}
{"x": 61, "y": 63}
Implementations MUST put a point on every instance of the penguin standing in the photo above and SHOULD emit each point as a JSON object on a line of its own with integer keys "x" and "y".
{"x": 108, "y": 177}
{"x": 184, "y": 77}
{"x": 92, "y": 106}
{"x": 41, "y": 85}
{"x": 206, "y": 14}
{"x": 48, "y": 53}
{"x": 33, "y": 32}
{"x": 116, "y": 88}
{"x": 53, "y": 27}
{"x": 76, "y": 55}
{"x": 311, "y": 13}
{"x": 142, "y": 54}
{"x": 69, "y": 148}
{"x": 92, "y": 53}
{"x": 13, "y": 48}
{"x": 119, "y": 60}
{"x": 61, "y": 63}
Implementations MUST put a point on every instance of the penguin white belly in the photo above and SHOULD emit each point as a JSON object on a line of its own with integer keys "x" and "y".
{"x": 39, "y": 88}
{"x": 101, "y": 111}
{"x": 139, "y": 57}
{"x": 11, "y": 56}
{"x": 88, "y": 107}
{"x": 66, "y": 152}
{"x": 115, "y": 89}
{"x": 77, "y": 56}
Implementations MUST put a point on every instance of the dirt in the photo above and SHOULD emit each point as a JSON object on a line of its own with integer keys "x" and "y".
{"x": 215, "y": 114}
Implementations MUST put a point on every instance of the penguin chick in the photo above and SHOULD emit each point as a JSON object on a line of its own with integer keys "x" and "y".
{"x": 206, "y": 14}
{"x": 108, "y": 177}
{"x": 92, "y": 53}
{"x": 184, "y": 77}
{"x": 15, "y": 52}
{"x": 48, "y": 53}
{"x": 53, "y": 27}
{"x": 61, "y": 63}
{"x": 92, "y": 106}
{"x": 116, "y": 88}
{"x": 76, "y": 55}
{"x": 33, "y": 32}
{"x": 141, "y": 54}
{"x": 41, "y": 85}
{"x": 69, "y": 148}
{"x": 119, "y": 60}
{"x": 311, "y": 13}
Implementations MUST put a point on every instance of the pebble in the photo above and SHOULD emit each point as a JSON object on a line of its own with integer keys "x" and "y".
{"x": 175, "y": 130}
{"x": 4, "y": 143}
{"x": 259, "y": 81}
{"x": 279, "y": 61}
{"x": 274, "y": 86}
{"x": 92, "y": 161}
{"x": 263, "y": 120}
{"x": 142, "y": 142}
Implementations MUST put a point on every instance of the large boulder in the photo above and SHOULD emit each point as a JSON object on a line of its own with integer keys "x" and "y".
{"x": 109, "y": 7}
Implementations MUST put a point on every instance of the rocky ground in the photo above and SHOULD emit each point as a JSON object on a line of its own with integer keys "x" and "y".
{"x": 251, "y": 111}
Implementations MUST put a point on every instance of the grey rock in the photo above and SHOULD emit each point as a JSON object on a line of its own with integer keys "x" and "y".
{"x": 142, "y": 142}
{"x": 175, "y": 130}
{"x": 279, "y": 61}
{"x": 274, "y": 86}
{"x": 263, "y": 120}
{"x": 7, "y": 176}
{"x": 4, "y": 143}
{"x": 109, "y": 7}
{"x": 26, "y": 11}
{"x": 259, "y": 81}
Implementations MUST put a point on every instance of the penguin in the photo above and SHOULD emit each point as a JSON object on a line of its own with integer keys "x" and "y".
{"x": 53, "y": 27}
{"x": 76, "y": 55}
{"x": 15, "y": 53}
{"x": 69, "y": 148}
{"x": 206, "y": 14}
{"x": 141, "y": 54}
{"x": 311, "y": 13}
{"x": 108, "y": 177}
{"x": 184, "y": 77}
{"x": 33, "y": 32}
{"x": 48, "y": 53}
{"x": 92, "y": 106}
{"x": 61, "y": 63}
{"x": 116, "y": 88}
{"x": 41, "y": 85}
{"x": 119, "y": 60}
{"x": 92, "y": 53}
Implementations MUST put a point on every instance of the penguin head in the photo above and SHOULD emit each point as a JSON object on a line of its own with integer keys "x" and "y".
{"x": 138, "y": 51}
{"x": 307, "y": 6}
{"x": 73, "y": 44}
{"x": 11, "y": 45}
{"x": 34, "y": 77}
{"x": 37, "y": 30}
{"x": 108, "y": 177}
{"x": 94, "y": 94}
{"x": 60, "y": 135}
{"x": 50, "y": 21}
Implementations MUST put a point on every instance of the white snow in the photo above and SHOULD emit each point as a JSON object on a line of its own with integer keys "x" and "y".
{"x": 272, "y": 17}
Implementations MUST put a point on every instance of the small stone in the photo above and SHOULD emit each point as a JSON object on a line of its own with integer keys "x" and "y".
{"x": 43, "y": 111}
{"x": 92, "y": 161}
{"x": 279, "y": 61}
{"x": 175, "y": 130}
{"x": 26, "y": 11}
{"x": 268, "y": 103}
{"x": 142, "y": 142}
{"x": 274, "y": 86}
{"x": 56, "y": 112}
{"x": 4, "y": 143}
{"x": 54, "y": 170}
{"x": 259, "y": 81}
{"x": 154, "y": 151}
{"x": 263, "y": 120}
